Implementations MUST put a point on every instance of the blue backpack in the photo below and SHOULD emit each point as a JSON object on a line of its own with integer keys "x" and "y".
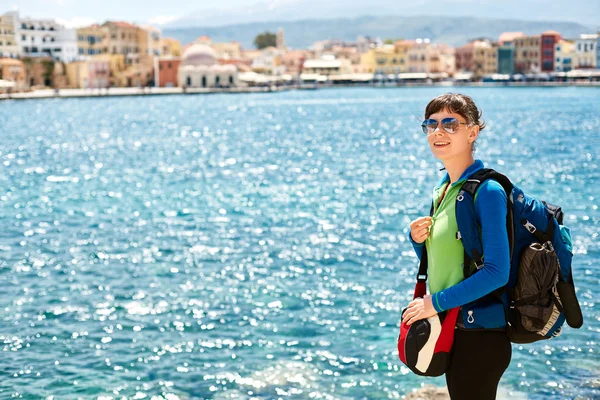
{"x": 540, "y": 294}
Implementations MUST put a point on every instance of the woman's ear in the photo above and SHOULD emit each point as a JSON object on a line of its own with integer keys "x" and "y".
{"x": 474, "y": 133}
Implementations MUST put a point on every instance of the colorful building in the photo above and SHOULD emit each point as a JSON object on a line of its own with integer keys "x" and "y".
{"x": 293, "y": 61}
{"x": 168, "y": 71}
{"x": 92, "y": 40}
{"x": 150, "y": 40}
{"x": 14, "y": 71}
{"x": 506, "y": 52}
{"x": 123, "y": 38}
{"x": 387, "y": 59}
{"x": 479, "y": 57}
{"x": 90, "y": 74}
{"x": 170, "y": 47}
{"x": 418, "y": 56}
{"x": 528, "y": 57}
{"x": 564, "y": 53}
{"x": 442, "y": 59}
{"x": 8, "y": 41}
{"x": 549, "y": 39}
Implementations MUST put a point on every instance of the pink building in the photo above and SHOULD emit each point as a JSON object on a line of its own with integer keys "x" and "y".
{"x": 98, "y": 74}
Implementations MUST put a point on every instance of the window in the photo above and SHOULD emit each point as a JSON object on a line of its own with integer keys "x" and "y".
{"x": 189, "y": 80}
{"x": 80, "y": 38}
{"x": 81, "y": 52}
{"x": 23, "y": 38}
{"x": 169, "y": 65}
{"x": 557, "y": 48}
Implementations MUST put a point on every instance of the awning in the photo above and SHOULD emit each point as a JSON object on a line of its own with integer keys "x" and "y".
{"x": 412, "y": 75}
{"x": 6, "y": 84}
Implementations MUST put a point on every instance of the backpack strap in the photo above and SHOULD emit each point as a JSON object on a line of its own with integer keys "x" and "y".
{"x": 420, "y": 288}
{"x": 468, "y": 228}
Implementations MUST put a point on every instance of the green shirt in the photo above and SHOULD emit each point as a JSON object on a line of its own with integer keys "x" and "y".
{"x": 445, "y": 253}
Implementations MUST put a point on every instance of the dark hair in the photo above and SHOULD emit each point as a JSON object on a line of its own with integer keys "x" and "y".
{"x": 457, "y": 103}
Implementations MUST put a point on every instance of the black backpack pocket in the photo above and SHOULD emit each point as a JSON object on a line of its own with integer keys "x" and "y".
{"x": 535, "y": 304}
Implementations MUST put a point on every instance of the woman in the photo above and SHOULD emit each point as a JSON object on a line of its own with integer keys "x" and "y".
{"x": 480, "y": 357}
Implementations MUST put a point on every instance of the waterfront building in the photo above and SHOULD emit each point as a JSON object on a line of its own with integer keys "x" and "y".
{"x": 44, "y": 38}
{"x": 92, "y": 40}
{"x": 13, "y": 70}
{"x": 293, "y": 61}
{"x": 8, "y": 41}
{"x": 528, "y": 58}
{"x": 479, "y": 57}
{"x": 149, "y": 40}
{"x": 88, "y": 74}
{"x": 123, "y": 38}
{"x": 506, "y": 52}
{"x": 442, "y": 59}
{"x": 418, "y": 56}
{"x": 388, "y": 58}
{"x": 228, "y": 50}
{"x": 549, "y": 39}
{"x": 586, "y": 51}
{"x": 168, "y": 70}
{"x": 564, "y": 53}
{"x": 170, "y": 47}
{"x": 199, "y": 69}
{"x": 327, "y": 65}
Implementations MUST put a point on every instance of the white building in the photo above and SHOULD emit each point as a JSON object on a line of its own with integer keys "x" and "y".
{"x": 40, "y": 37}
{"x": 585, "y": 51}
{"x": 199, "y": 69}
{"x": 269, "y": 62}
{"x": 327, "y": 65}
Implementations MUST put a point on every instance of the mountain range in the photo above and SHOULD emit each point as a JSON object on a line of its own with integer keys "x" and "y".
{"x": 452, "y": 30}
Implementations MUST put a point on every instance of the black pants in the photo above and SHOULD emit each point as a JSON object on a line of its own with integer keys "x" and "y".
{"x": 478, "y": 361}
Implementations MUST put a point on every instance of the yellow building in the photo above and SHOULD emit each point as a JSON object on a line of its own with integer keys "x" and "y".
{"x": 150, "y": 40}
{"x": 528, "y": 55}
{"x": 228, "y": 50}
{"x": 564, "y": 51}
{"x": 485, "y": 59}
{"x": 419, "y": 56}
{"x": 123, "y": 38}
{"x": 92, "y": 40}
{"x": 170, "y": 47}
{"x": 388, "y": 59}
{"x": 8, "y": 42}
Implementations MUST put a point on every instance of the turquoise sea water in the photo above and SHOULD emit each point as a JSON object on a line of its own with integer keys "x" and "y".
{"x": 254, "y": 245}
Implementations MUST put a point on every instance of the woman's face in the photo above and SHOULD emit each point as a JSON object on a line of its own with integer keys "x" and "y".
{"x": 447, "y": 146}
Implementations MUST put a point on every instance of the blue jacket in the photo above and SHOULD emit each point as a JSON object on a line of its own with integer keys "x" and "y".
{"x": 491, "y": 210}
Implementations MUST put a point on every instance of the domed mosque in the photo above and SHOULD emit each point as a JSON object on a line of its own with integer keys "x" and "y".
{"x": 200, "y": 69}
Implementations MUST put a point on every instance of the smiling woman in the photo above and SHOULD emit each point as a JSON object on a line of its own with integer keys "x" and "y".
{"x": 452, "y": 124}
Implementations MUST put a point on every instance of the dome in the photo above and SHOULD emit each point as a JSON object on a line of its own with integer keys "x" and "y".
{"x": 199, "y": 54}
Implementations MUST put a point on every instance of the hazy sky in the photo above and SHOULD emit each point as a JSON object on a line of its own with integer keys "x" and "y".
{"x": 83, "y": 12}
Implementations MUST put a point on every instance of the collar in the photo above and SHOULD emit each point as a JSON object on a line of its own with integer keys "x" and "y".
{"x": 476, "y": 166}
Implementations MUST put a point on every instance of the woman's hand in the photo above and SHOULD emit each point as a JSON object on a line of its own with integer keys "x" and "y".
{"x": 421, "y": 308}
{"x": 419, "y": 229}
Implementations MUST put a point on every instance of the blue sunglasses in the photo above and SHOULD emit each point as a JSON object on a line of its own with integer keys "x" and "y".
{"x": 450, "y": 125}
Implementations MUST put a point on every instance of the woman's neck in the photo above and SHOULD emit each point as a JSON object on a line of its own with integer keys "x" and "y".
{"x": 456, "y": 167}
